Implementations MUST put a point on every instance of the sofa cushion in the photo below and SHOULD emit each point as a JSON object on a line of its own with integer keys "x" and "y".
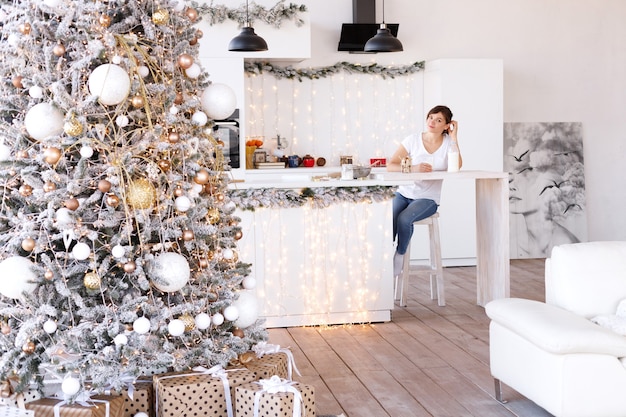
{"x": 554, "y": 329}
{"x": 587, "y": 278}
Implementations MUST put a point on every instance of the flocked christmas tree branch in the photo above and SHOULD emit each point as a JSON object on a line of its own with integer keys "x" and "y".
{"x": 274, "y": 16}
{"x": 290, "y": 72}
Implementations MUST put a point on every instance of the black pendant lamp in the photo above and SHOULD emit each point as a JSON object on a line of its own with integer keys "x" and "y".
{"x": 383, "y": 41}
{"x": 247, "y": 40}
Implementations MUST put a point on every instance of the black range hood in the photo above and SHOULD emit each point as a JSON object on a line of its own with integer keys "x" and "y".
{"x": 355, "y": 35}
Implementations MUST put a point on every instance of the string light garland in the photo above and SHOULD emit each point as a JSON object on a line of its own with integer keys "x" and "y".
{"x": 253, "y": 198}
{"x": 290, "y": 72}
{"x": 273, "y": 16}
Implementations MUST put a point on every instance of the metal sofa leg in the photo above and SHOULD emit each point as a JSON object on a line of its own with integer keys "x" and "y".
{"x": 498, "y": 387}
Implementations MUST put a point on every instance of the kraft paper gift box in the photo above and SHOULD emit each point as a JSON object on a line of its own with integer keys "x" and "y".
{"x": 275, "y": 397}
{"x": 95, "y": 406}
{"x": 6, "y": 411}
{"x": 274, "y": 355}
{"x": 264, "y": 367}
{"x": 17, "y": 400}
{"x": 139, "y": 399}
{"x": 199, "y": 392}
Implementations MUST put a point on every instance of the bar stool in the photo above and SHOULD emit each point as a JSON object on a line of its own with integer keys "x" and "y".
{"x": 434, "y": 269}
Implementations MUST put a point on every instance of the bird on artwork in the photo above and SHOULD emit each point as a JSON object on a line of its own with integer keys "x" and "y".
{"x": 525, "y": 169}
{"x": 519, "y": 158}
{"x": 572, "y": 206}
{"x": 555, "y": 184}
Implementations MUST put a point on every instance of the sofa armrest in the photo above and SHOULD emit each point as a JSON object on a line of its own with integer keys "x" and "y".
{"x": 554, "y": 329}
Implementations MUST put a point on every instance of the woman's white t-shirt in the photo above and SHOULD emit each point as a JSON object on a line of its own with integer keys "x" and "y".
{"x": 430, "y": 189}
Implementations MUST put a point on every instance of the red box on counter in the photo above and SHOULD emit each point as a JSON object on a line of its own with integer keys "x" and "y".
{"x": 378, "y": 162}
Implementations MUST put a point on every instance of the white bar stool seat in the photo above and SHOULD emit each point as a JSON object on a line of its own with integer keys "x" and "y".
{"x": 434, "y": 269}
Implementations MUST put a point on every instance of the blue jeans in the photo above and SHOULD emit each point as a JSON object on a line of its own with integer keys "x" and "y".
{"x": 405, "y": 212}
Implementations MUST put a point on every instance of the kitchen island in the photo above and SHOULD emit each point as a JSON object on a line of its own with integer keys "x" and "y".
{"x": 322, "y": 249}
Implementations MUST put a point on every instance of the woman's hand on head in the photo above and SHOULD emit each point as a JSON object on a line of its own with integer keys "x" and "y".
{"x": 453, "y": 129}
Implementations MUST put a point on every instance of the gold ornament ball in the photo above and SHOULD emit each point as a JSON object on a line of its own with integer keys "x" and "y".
{"x": 199, "y": 34}
{"x": 28, "y": 244}
{"x": 48, "y": 275}
{"x": 178, "y": 191}
{"x": 28, "y": 348}
{"x": 192, "y": 14}
{"x": 213, "y": 215}
{"x": 141, "y": 194}
{"x": 220, "y": 197}
{"x": 129, "y": 267}
{"x": 193, "y": 41}
{"x": 58, "y": 49}
{"x": 105, "y": 20}
{"x": 49, "y": 186}
{"x": 25, "y": 28}
{"x": 17, "y": 81}
{"x": 25, "y": 190}
{"x": 71, "y": 203}
{"x": 52, "y": 155}
{"x": 22, "y": 154}
{"x": 91, "y": 281}
{"x": 160, "y": 17}
{"x": 185, "y": 61}
{"x": 6, "y": 329}
{"x": 113, "y": 200}
{"x": 238, "y": 332}
{"x": 178, "y": 99}
{"x": 188, "y": 235}
{"x": 73, "y": 127}
{"x": 190, "y": 323}
{"x": 104, "y": 186}
{"x": 137, "y": 101}
{"x": 209, "y": 188}
{"x": 203, "y": 263}
{"x": 164, "y": 164}
{"x": 238, "y": 235}
{"x": 173, "y": 137}
{"x": 202, "y": 177}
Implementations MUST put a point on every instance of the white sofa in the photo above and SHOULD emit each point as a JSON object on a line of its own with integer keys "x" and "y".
{"x": 552, "y": 353}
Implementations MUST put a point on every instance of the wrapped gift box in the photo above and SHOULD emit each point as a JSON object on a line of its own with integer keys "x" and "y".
{"x": 142, "y": 399}
{"x": 264, "y": 367}
{"x": 198, "y": 393}
{"x": 264, "y": 349}
{"x": 6, "y": 411}
{"x": 19, "y": 399}
{"x": 275, "y": 397}
{"x": 97, "y": 407}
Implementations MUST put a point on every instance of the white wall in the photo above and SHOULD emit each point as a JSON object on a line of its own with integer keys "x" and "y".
{"x": 564, "y": 61}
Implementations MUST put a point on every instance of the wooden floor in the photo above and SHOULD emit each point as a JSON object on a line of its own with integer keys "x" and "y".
{"x": 428, "y": 361}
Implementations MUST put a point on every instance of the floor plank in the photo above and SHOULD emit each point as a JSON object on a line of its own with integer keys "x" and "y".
{"x": 427, "y": 361}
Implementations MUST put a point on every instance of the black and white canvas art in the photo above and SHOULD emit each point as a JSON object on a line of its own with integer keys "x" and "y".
{"x": 546, "y": 186}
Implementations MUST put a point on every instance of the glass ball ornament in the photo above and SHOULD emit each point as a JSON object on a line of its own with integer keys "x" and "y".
{"x": 48, "y": 275}
{"x": 143, "y": 71}
{"x": 189, "y": 322}
{"x": 164, "y": 164}
{"x": 17, "y": 277}
{"x": 43, "y": 120}
{"x": 182, "y": 203}
{"x": 238, "y": 235}
{"x": 63, "y": 217}
{"x": 112, "y": 200}
{"x": 231, "y": 313}
{"x": 110, "y": 83}
{"x": 86, "y": 151}
{"x": 91, "y": 281}
{"x": 52, "y": 155}
{"x": 248, "y": 307}
{"x": 199, "y": 118}
{"x": 5, "y": 329}
{"x": 120, "y": 340}
{"x": 104, "y": 20}
{"x": 71, "y": 203}
{"x": 168, "y": 271}
{"x": 203, "y": 321}
{"x": 58, "y": 49}
{"x": 29, "y": 347}
{"x": 202, "y": 176}
{"x": 192, "y": 14}
{"x": 35, "y": 91}
{"x": 130, "y": 267}
{"x": 137, "y": 101}
{"x": 104, "y": 186}
{"x": 81, "y": 251}
{"x": 213, "y": 215}
{"x": 5, "y": 152}
{"x": 70, "y": 386}
{"x": 188, "y": 235}
{"x": 122, "y": 121}
{"x": 17, "y": 81}
{"x": 217, "y": 319}
{"x": 218, "y": 101}
{"x": 140, "y": 414}
{"x": 25, "y": 28}
{"x": 193, "y": 71}
{"x": 248, "y": 283}
{"x": 228, "y": 254}
{"x": 179, "y": 98}
{"x": 176, "y": 327}
{"x": 184, "y": 61}
{"x": 160, "y": 17}
{"x": 118, "y": 251}
{"x": 238, "y": 332}
{"x": 73, "y": 127}
{"x": 141, "y": 325}
{"x": 50, "y": 326}
{"x": 25, "y": 190}
{"x": 173, "y": 137}
{"x": 28, "y": 244}
{"x": 141, "y": 194}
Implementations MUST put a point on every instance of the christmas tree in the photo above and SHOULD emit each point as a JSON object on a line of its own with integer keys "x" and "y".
{"x": 118, "y": 242}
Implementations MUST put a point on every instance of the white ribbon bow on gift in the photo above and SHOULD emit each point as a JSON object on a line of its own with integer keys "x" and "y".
{"x": 84, "y": 399}
{"x": 275, "y": 385}
{"x": 264, "y": 348}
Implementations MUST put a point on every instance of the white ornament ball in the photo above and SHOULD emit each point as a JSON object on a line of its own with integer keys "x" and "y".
{"x": 141, "y": 325}
{"x": 141, "y": 414}
{"x": 118, "y": 251}
{"x": 5, "y": 152}
{"x": 228, "y": 254}
{"x": 52, "y": 3}
{"x": 63, "y": 217}
{"x": 169, "y": 271}
{"x": 179, "y": 6}
{"x": 86, "y": 151}
{"x": 50, "y": 326}
{"x": 203, "y": 321}
{"x": 81, "y": 251}
{"x": 35, "y": 91}
{"x": 217, "y": 319}
{"x": 16, "y": 277}
{"x": 173, "y": 110}
{"x": 116, "y": 59}
{"x": 218, "y": 101}
{"x": 143, "y": 71}
{"x": 44, "y": 120}
{"x": 176, "y": 327}
{"x": 193, "y": 71}
{"x": 121, "y": 121}
{"x": 231, "y": 313}
{"x": 110, "y": 83}
{"x": 249, "y": 283}
{"x": 248, "y": 307}
{"x": 199, "y": 118}
{"x": 70, "y": 386}
{"x": 120, "y": 340}
{"x": 13, "y": 40}
{"x": 182, "y": 203}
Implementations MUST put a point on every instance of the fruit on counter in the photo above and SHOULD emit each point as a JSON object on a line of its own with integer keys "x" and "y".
{"x": 254, "y": 142}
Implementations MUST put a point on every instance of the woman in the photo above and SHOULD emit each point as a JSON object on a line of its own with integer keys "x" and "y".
{"x": 428, "y": 152}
